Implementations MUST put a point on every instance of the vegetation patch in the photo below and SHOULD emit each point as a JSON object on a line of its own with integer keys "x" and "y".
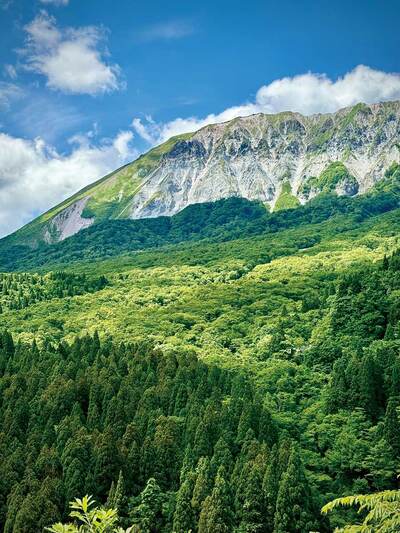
{"x": 335, "y": 174}
{"x": 286, "y": 199}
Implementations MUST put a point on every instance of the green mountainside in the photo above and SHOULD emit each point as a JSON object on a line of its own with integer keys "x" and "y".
{"x": 219, "y": 221}
{"x": 106, "y": 199}
{"x": 281, "y": 160}
{"x": 226, "y": 369}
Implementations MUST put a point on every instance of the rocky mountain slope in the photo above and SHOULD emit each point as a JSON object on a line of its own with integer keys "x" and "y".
{"x": 282, "y": 160}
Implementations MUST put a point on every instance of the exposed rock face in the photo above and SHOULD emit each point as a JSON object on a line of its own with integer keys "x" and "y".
{"x": 67, "y": 222}
{"x": 251, "y": 157}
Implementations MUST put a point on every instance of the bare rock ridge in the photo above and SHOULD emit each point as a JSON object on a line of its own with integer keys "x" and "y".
{"x": 259, "y": 157}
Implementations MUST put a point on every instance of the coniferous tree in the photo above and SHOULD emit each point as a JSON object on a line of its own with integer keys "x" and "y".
{"x": 270, "y": 487}
{"x": 395, "y": 379}
{"x": 338, "y": 387}
{"x": 392, "y": 425}
{"x": 107, "y": 463}
{"x": 148, "y": 514}
{"x": 184, "y": 520}
{"x": 118, "y": 499}
{"x": 217, "y": 514}
{"x": 203, "y": 484}
{"x": 370, "y": 387}
{"x": 222, "y": 457}
{"x": 110, "y": 497}
{"x": 267, "y": 430}
{"x": 254, "y": 512}
{"x": 294, "y": 503}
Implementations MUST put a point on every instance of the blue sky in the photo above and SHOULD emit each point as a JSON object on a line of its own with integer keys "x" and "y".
{"x": 86, "y": 85}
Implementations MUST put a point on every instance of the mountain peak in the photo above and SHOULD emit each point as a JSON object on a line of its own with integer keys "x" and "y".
{"x": 259, "y": 157}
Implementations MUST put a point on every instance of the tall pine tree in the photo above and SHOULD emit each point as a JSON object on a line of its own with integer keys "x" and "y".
{"x": 294, "y": 503}
{"x": 184, "y": 516}
{"x": 216, "y": 515}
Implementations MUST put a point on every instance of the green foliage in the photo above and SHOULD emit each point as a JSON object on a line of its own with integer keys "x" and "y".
{"x": 235, "y": 378}
{"x": 391, "y": 181}
{"x": 149, "y": 405}
{"x": 381, "y": 511}
{"x": 286, "y": 199}
{"x": 18, "y": 291}
{"x": 222, "y": 221}
{"x": 147, "y": 515}
{"x": 184, "y": 517}
{"x": 89, "y": 519}
{"x": 335, "y": 174}
{"x": 216, "y": 515}
{"x": 294, "y": 506}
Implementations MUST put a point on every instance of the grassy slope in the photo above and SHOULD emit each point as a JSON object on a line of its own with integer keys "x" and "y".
{"x": 181, "y": 293}
{"x": 108, "y": 196}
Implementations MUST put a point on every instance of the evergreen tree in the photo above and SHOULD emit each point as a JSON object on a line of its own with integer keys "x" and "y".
{"x": 107, "y": 463}
{"x": 116, "y": 496}
{"x": 184, "y": 517}
{"x": 254, "y": 512}
{"x": 267, "y": 430}
{"x": 216, "y": 514}
{"x": 222, "y": 457}
{"x": 270, "y": 487}
{"x": 203, "y": 484}
{"x": 370, "y": 387}
{"x": 110, "y": 498}
{"x": 294, "y": 503}
{"x": 395, "y": 381}
{"x": 338, "y": 387}
{"x": 148, "y": 514}
{"x": 392, "y": 425}
{"x": 6, "y": 350}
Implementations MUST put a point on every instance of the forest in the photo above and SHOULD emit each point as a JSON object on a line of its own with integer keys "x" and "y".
{"x": 226, "y": 381}
{"x": 222, "y": 221}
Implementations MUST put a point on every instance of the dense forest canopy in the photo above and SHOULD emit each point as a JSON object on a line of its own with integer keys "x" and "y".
{"x": 235, "y": 379}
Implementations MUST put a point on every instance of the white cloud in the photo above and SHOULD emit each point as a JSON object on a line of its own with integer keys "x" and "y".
{"x": 42, "y": 116}
{"x": 9, "y": 92}
{"x": 70, "y": 59}
{"x": 10, "y": 71}
{"x": 55, "y": 2}
{"x": 308, "y": 94}
{"x": 35, "y": 177}
{"x": 168, "y": 30}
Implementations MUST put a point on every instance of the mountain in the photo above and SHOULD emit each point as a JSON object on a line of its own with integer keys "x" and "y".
{"x": 264, "y": 370}
{"x": 218, "y": 369}
{"x": 283, "y": 160}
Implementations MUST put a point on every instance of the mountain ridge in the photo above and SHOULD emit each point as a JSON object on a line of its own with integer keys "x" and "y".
{"x": 258, "y": 157}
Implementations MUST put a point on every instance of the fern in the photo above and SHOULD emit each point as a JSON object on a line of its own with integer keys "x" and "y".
{"x": 383, "y": 512}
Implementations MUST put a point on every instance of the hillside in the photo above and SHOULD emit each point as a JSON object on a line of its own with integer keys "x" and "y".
{"x": 226, "y": 368}
{"x": 203, "y": 371}
{"x": 281, "y": 160}
{"x": 219, "y": 221}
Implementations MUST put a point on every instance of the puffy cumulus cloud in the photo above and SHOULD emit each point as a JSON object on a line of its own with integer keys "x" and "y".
{"x": 310, "y": 93}
{"x": 307, "y": 93}
{"x": 35, "y": 177}
{"x": 70, "y": 59}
